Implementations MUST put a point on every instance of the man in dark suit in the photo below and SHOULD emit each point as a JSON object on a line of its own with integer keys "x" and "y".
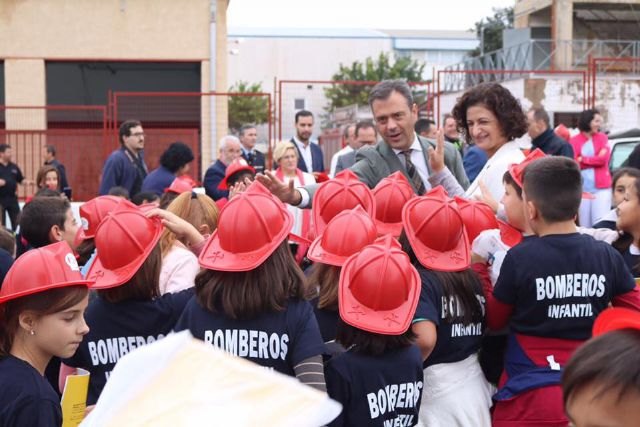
{"x": 229, "y": 147}
{"x": 424, "y": 162}
{"x": 543, "y": 136}
{"x": 365, "y": 135}
{"x": 248, "y": 137}
{"x": 310, "y": 157}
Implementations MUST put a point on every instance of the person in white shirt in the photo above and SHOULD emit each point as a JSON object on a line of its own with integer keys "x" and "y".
{"x": 490, "y": 116}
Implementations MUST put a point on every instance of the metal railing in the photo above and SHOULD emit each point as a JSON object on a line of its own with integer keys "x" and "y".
{"x": 538, "y": 55}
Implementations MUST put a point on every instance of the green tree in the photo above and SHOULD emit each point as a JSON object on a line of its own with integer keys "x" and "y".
{"x": 247, "y": 109}
{"x": 372, "y": 69}
{"x": 490, "y": 29}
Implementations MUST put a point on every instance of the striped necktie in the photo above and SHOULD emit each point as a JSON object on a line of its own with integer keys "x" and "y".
{"x": 413, "y": 173}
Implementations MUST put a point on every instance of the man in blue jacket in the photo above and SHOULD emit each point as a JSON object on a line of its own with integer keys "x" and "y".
{"x": 229, "y": 147}
{"x": 125, "y": 167}
{"x": 543, "y": 136}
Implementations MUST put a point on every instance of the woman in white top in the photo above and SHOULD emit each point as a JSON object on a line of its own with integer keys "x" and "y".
{"x": 491, "y": 117}
{"x": 286, "y": 157}
{"x": 179, "y": 264}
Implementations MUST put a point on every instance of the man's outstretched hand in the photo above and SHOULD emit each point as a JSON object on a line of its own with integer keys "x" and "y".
{"x": 285, "y": 192}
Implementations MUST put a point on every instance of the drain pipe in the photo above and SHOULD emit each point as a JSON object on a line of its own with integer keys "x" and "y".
{"x": 212, "y": 81}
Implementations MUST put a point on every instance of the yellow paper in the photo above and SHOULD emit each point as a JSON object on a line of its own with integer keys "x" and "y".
{"x": 74, "y": 398}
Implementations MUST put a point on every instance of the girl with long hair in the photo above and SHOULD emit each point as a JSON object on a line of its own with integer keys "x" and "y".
{"x": 449, "y": 321}
{"x": 251, "y": 296}
{"x": 42, "y": 304}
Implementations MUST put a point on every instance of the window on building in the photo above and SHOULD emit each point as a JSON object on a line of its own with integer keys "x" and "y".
{"x": 569, "y": 119}
{"x": 299, "y": 104}
{"x": 89, "y": 83}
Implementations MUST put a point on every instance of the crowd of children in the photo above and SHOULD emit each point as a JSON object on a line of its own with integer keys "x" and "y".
{"x": 417, "y": 310}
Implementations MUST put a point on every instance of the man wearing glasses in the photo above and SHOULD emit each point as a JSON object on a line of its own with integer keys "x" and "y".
{"x": 125, "y": 167}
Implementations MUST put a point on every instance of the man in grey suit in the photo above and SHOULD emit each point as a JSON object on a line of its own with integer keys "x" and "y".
{"x": 365, "y": 134}
{"x": 424, "y": 163}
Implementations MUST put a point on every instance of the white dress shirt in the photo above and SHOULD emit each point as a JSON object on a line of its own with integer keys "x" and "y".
{"x": 418, "y": 160}
{"x": 306, "y": 153}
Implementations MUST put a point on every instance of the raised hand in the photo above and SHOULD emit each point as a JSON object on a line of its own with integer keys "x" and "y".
{"x": 436, "y": 157}
{"x": 181, "y": 228}
{"x": 285, "y": 192}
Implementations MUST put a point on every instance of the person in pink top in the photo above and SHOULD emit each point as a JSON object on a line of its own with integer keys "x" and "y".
{"x": 592, "y": 152}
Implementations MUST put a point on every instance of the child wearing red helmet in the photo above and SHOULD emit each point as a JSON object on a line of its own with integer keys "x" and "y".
{"x": 250, "y": 300}
{"x": 449, "y": 320}
{"x": 42, "y": 304}
{"x": 128, "y": 311}
{"x": 91, "y": 214}
{"x": 390, "y": 195}
{"x": 379, "y": 378}
{"x": 346, "y": 234}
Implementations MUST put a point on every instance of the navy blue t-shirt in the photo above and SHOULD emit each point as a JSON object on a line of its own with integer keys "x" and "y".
{"x": 26, "y": 398}
{"x": 116, "y": 329}
{"x": 279, "y": 340}
{"x": 456, "y": 341}
{"x": 327, "y": 321}
{"x": 376, "y": 391}
{"x": 558, "y": 284}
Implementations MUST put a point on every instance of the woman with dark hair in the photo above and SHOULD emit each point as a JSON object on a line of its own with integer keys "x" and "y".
{"x": 449, "y": 321}
{"x": 629, "y": 223}
{"x": 128, "y": 311}
{"x": 42, "y": 304}
{"x": 592, "y": 152}
{"x": 174, "y": 162}
{"x": 251, "y": 298}
{"x": 491, "y": 117}
{"x": 623, "y": 180}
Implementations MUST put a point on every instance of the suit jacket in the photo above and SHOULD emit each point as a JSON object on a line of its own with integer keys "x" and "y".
{"x": 317, "y": 160}
{"x": 373, "y": 163}
{"x": 473, "y": 161}
{"x": 258, "y": 161}
{"x": 212, "y": 178}
{"x": 346, "y": 161}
